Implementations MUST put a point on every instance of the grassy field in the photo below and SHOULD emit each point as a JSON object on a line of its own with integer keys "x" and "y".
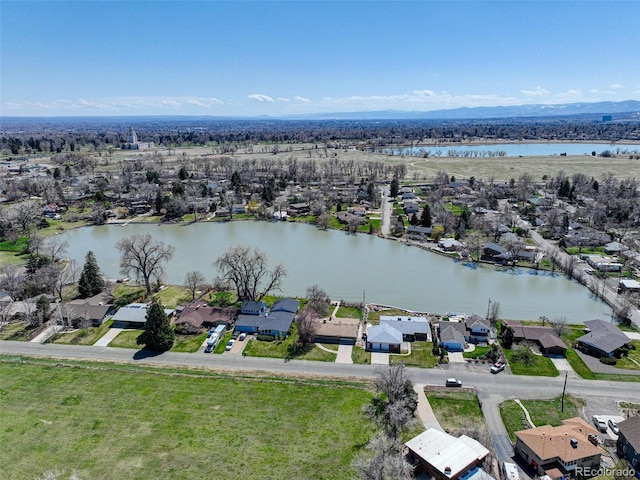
{"x": 14, "y": 331}
{"x": 127, "y": 339}
{"x": 108, "y": 423}
{"x": 173, "y": 295}
{"x": 456, "y": 409}
{"x": 478, "y": 352}
{"x": 360, "y": 355}
{"x": 420, "y": 356}
{"x": 542, "y": 412}
{"x": 628, "y": 362}
{"x": 348, "y": 312}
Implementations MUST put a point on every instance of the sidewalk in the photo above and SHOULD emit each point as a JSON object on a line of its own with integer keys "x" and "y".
{"x": 106, "y": 339}
{"x": 48, "y": 333}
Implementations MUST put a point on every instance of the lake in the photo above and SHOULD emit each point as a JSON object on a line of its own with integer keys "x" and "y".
{"x": 517, "y": 149}
{"x": 350, "y": 266}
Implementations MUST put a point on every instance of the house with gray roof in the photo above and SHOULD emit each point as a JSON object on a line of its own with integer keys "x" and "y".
{"x": 453, "y": 336}
{"x": 628, "y": 444}
{"x": 275, "y": 322}
{"x": 135, "y": 314}
{"x": 383, "y": 338}
{"x": 603, "y": 339}
{"x": 412, "y": 328}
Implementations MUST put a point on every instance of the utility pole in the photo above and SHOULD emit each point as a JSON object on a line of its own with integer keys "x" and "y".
{"x": 488, "y": 308}
{"x": 564, "y": 389}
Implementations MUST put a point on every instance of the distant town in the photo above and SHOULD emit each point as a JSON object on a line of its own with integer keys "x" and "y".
{"x": 427, "y": 394}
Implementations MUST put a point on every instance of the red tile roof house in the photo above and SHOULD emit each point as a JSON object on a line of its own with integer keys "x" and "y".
{"x": 550, "y": 344}
{"x": 559, "y": 451}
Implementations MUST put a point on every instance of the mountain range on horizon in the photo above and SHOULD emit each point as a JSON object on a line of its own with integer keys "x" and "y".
{"x": 627, "y": 110}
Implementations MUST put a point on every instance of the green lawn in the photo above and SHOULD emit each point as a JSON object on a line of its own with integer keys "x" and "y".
{"x": 421, "y": 356}
{"x": 542, "y": 366}
{"x": 173, "y": 295}
{"x": 542, "y": 412}
{"x": 112, "y": 422}
{"x": 126, "y": 294}
{"x": 188, "y": 343}
{"x": 14, "y": 331}
{"x": 274, "y": 349}
{"x": 127, "y": 339}
{"x": 348, "y": 312}
{"x": 223, "y": 343}
{"x": 87, "y": 336}
{"x": 374, "y": 317}
{"x": 578, "y": 365}
{"x": 626, "y": 363}
{"x": 360, "y": 356}
{"x": 456, "y": 409}
{"x": 478, "y": 352}
{"x": 316, "y": 354}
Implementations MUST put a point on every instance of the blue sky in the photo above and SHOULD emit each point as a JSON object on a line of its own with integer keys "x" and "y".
{"x": 296, "y": 57}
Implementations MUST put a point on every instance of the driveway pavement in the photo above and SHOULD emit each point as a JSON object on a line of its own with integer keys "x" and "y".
{"x": 455, "y": 357}
{"x": 562, "y": 364}
{"x": 47, "y": 333}
{"x": 378, "y": 358}
{"x": 344, "y": 354}
{"x": 107, "y": 337}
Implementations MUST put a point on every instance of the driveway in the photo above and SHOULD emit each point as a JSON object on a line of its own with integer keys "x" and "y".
{"x": 455, "y": 357}
{"x": 344, "y": 354}
{"x": 562, "y": 364}
{"x": 378, "y": 358}
{"x": 424, "y": 410}
{"x": 107, "y": 337}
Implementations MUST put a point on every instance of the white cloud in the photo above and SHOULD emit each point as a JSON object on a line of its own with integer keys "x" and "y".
{"x": 538, "y": 92}
{"x": 571, "y": 94}
{"x": 258, "y": 97}
{"x": 595, "y": 91}
{"x": 424, "y": 93}
{"x": 283, "y": 100}
{"x": 616, "y": 86}
{"x": 302, "y": 99}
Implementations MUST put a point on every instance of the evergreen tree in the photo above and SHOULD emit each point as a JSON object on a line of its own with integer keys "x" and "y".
{"x": 395, "y": 187}
{"x": 91, "y": 282}
{"x": 414, "y": 220}
{"x": 158, "y": 334}
{"x": 425, "y": 218}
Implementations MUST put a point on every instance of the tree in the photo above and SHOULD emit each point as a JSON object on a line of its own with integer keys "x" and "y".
{"x": 56, "y": 248}
{"x": 394, "y": 407}
{"x": 307, "y": 323}
{"x": 318, "y": 300}
{"x": 144, "y": 257}
{"x": 493, "y": 312}
{"x": 508, "y": 338}
{"x": 394, "y": 188}
{"x": 158, "y": 334}
{"x": 323, "y": 221}
{"x": 425, "y": 217}
{"x": 247, "y": 271}
{"x": 382, "y": 459}
{"x": 193, "y": 281}
{"x": 91, "y": 281}
{"x": 559, "y": 324}
{"x": 437, "y": 233}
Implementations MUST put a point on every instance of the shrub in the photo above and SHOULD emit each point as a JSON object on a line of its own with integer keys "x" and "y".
{"x": 187, "y": 329}
{"x": 608, "y": 360}
{"x": 265, "y": 338}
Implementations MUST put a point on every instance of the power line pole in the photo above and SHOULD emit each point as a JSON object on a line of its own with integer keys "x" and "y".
{"x": 564, "y": 389}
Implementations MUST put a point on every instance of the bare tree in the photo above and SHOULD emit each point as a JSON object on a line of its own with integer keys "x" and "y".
{"x": 144, "y": 257}
{"x": 307, "y": 323}
{"x": 193, "y": 281}
{"x": 559, "y": 324}
{"x": 25, "y": 213}
{"x": 318, "y": 300}
{"x": 381, "y": 460}
{"x": 247, "y": 271}
{"x": 56, "y": 248}
{"x": 11, "y": 280}
{"x": 493, "y": 312}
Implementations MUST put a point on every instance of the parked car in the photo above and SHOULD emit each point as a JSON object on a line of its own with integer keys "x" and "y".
{"x": 235, "y": 334}
{"x": 593, "y": 439}
{"x": 497, "y": 367}
{"x": 209, "y": 348}
{"x": 210, "y": 332}
{"x": 600, "y": 424}
{"x": 453, "y": 382}
{"x": 242, "y": 336}
{"x": 229, "y": 345}
{"x": 614, "y": 427}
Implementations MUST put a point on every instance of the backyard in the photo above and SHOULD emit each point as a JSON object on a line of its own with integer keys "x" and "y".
{"x": 112, "y": 422}
{"x": 456, "y": 410}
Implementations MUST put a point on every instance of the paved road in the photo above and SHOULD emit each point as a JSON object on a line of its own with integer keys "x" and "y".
{"x": 386, "y": 208}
